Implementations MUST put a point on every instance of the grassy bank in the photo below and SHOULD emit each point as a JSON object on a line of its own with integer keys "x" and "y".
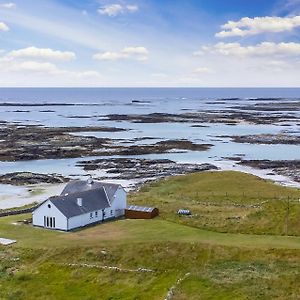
{"x": 209, "y": 264}
{"x": 226, "y": 202}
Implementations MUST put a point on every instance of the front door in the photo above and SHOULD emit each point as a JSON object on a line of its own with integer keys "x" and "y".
{"x": 49, "y": 222}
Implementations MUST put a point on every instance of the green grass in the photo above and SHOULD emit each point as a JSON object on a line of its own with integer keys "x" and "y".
{"x": 220, "y": 265}
{"x": 225, "y": 202}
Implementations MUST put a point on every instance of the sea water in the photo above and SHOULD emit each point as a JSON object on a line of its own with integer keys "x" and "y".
{"x": 47, "y": 107}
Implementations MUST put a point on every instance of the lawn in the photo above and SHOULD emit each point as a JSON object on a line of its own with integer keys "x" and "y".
{"x": 153, "y": 256}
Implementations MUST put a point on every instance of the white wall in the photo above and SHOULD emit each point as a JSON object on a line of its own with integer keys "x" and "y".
{"x": 44, "y": 210}
{"x": 118, "y": 206}
{"x": 120, "y": 202}
{"x": 85, "y": 219}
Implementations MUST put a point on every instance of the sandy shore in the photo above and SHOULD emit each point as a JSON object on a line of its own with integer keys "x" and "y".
{"x": 25, "y": 195}
{"x": 265, "y": 173}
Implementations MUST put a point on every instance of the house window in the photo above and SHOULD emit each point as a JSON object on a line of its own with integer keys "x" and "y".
{"x": 53, "y": 222}
{"x": 111, "y": 212}
{"x": 51, "y": 225}
{"x": 91, "y": 215}
{"x": 96, "y": 214}
{"x": 49, "y": 205}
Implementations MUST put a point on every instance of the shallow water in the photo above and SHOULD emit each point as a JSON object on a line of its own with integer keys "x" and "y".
{"x": 95, "y": 103}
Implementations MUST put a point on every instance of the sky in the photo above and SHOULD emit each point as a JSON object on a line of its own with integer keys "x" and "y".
{"x": 143, "y": 43}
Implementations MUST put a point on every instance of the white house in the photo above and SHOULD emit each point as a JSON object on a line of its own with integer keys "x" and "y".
{"x": 81, "y": 203}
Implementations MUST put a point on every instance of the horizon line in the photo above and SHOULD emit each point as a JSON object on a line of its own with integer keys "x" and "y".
{"x": 148, "y": 87}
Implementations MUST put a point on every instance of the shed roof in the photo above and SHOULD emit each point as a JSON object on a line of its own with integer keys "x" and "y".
{"x": 140, "y": 208}
{"x": 92, "y": 200}
{"x": 76, "y": 186}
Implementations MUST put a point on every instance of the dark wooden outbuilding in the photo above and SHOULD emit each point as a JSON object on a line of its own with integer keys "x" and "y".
{"x": 141, "y": 212}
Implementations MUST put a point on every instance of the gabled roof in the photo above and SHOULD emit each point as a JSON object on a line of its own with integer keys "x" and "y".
{"x": 76, "y": 186}
{"x": 92, "y": 200}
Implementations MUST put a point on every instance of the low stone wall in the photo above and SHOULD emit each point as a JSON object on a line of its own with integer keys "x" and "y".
{"x": 18, "y": 211}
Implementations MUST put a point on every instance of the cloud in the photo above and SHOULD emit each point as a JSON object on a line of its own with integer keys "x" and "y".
{"x": 12, "y": 65}
{"x": 114, "y": 10}
{"x": 42, "y": 53}
{"x": 28, "y": 61}
{"x": 135, "y": 53}
{"x": 3, "y": 27}
{"x": 132, "y": 8}
{"x": 202, "y": 70}
{"x": 32, "y": 66}
{"x": 8, "y": 5}
{"x": 251, "y": 26}
{"x": 262, "y": 49}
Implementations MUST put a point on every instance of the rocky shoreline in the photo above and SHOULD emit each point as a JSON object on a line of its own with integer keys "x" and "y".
{"x": 135, "y": 168}
{"x": 131, "y": 169}
{"x": 29, "y": 142}
{"x": 288, "y": 168}
{"x": 32, "y": 142}
{"x": 267, "y": 139}
{"x": 28, "y": 178}
{"x": 232, "y": 117}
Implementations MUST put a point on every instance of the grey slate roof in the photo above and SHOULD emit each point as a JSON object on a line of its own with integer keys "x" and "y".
{"x": 92, "y": 200}
{"x": 75, "y": 186}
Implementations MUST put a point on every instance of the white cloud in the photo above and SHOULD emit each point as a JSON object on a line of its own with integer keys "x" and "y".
{"x": 43, "y": 53}
{"x": 109, "y": 56}
{"x": 275, "y": 65}
{"x": 202, "y": 70}
{"x": 132, "y": 8}
{"x": 113, "y": 10}
{"x": 27, "y": 62}
{"x": 32, "y": 66}
{"x": 136, "y": 53}
{"x": 12, "y": 65}
{"x": 251, "y": 26}
{"x": 8, "y": 5}
{"x": 3, "y": 27}
{"x": 263, "y": 49}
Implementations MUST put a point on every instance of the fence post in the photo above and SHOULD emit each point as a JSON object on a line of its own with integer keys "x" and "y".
{"x": 287, "y": 216}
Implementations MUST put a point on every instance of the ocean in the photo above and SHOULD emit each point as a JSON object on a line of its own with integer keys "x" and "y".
{"x": 84, "y": 107}
{"x": 99, "y": 95}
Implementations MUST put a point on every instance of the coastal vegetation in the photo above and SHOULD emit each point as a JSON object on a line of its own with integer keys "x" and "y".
{"x": 226, "y": 201}
{"x": 169, "y": 256}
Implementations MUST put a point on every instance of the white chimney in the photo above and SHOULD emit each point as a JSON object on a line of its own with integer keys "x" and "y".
{"x": 79, "y": 201}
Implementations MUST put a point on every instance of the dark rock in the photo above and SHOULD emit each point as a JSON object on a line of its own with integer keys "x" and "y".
{"x": 24, "y": 178}
{"x": 268, "y": 139}
{"x": 134, "y": 168}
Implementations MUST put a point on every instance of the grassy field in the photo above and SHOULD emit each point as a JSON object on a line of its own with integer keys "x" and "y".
{"x": 193, "y": 263}
{"x": 226, "y": 202}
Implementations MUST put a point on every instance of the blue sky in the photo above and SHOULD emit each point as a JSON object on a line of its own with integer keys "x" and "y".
{"x": 204, "y": 43}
